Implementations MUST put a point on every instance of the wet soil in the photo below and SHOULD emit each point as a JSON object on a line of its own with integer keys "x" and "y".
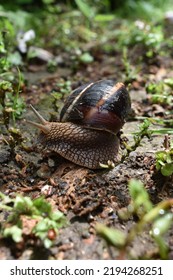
{"x": 85, "y": 196}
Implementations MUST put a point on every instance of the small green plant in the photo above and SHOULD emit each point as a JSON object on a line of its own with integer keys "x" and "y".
{"x": 146, "y": 37}
{"x": 161, "y": 92}
{"x": 12, "y": 105}
{"x": 156, "y": 219}
{"x": 6, "y": 33}
{"x": 85, "y": 9}
{"x": 150, "y": 36}
{"x": 144, "y": 131}
{"x": 164, "y": 158}
{"x": 27, "y": 217}
{"x": 63, "y": 89}
{"x": 131, "y": 72}
{"x": 86, "y": 58}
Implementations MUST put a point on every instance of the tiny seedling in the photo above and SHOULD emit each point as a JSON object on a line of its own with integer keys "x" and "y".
{"x": 27, "y": 218}
{"x": 142, "y": 34}
{"x": 12, "y": 105}
{"x": 144, "y": 131}
{"x": 161, "y": 92}
{"x": 156, "y": 219}
{"x": 85, "y": 9}
{"x": 64, "y": 89}
{"x": 164, "y": 158}
{"x": 86, "y": 58}
{"x": 130, "y": 72}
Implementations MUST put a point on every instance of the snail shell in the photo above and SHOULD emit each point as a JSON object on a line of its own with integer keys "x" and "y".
{"x": 101, "y": 105}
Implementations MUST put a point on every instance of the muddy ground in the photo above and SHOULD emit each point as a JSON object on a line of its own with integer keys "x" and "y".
{"x": 84, "y": 196}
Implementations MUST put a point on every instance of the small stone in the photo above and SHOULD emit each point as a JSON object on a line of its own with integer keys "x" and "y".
{"x": 46, "y": 190}
{"x": 43, "y": 172}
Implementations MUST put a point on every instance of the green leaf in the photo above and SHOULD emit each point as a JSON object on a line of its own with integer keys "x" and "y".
{"x": 6, "y": 86}
{"x": 160, "y": 162}
{"x": 47, "y": 243}
{"x": 162, "y": 224}
{"x": 167, "y": 169}
{"x": 48, "y": 2}
{"x": 14, "y": 232}
{"x": 85, "y": 8}
{"x": 113, "y": 236}
{"x": 41, "y": 226}
{"x": 139, "y": 195}
{"x": 168, "y": 158}
{"x": 86, "y": 58}
{"x": 57, "y": 215}
{"x": 38, "y": 209}
{"x": 15, "y": 58}
{"x": 104, "y": 17}
{"x": 42, "y": 206}
{"x": 23, "y": 204}
{"x": 169, "y": 82}
{"x": 160, "y": 227}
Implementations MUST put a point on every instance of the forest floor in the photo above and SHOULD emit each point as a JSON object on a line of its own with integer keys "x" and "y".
{"x": 86, "y": 197}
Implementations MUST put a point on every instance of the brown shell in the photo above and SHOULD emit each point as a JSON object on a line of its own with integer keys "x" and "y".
{"x": 102, "y": 105}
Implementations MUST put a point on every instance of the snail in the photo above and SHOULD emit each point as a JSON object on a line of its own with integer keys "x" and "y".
{"x": 89, "y": 123}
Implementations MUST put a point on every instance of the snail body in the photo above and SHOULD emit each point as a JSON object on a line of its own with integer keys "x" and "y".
{"x": 89, "y": 122}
